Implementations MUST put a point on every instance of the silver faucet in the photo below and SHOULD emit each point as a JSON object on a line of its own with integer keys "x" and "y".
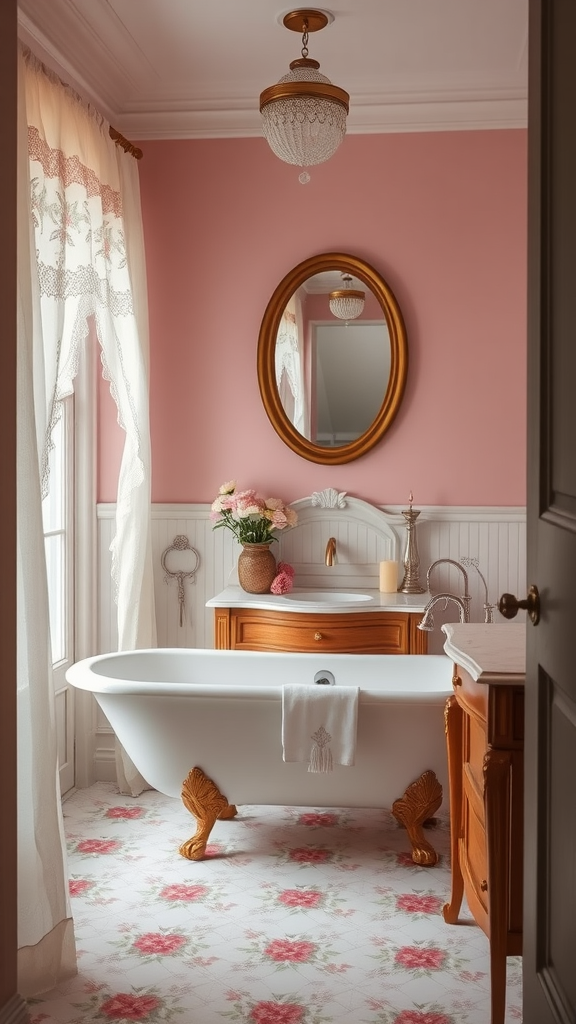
{"x": 427, "y": 621}
{"x": 465, "y": 599}
{"x": 488, "y": 608}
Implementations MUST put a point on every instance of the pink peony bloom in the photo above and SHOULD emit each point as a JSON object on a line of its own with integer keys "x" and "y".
{"x": 180, "y": 891}
{"x": 412, "y": 903}
{"x": 97, "y": 846}
{"x": 300, "y": 898}
{"x": 287, "y": 568}
{"x": 281, "y": 584}
{"x": 78, "y": 886}
{"x": 310, "y": 855}
{"x": 294, "y": 951}
{"x": 125, "y": 1006}
{"x": 315, "y": 818}
{"x": 414, "y": 958}
{"x": 276, "y": 1013}
{"x": 124, "y": 812}
{"x": 158, "y": 943}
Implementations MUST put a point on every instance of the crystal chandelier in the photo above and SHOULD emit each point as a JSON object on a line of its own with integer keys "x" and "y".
{"x": 304, "y": 115}
{"x": 346, "y": 303}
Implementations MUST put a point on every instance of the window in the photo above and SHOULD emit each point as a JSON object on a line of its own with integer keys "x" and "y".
{"x": 58, "y": 522}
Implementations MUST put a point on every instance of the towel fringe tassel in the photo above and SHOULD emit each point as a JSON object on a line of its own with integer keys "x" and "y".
{"x": 321, "y": 754}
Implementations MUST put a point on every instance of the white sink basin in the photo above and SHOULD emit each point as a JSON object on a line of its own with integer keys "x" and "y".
{"x": 328, "y": 597}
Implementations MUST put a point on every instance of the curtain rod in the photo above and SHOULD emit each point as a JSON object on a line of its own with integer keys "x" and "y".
{"x": 126, "y": 145}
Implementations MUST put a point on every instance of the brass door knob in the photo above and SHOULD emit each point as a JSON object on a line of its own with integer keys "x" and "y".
{"x": 317, "y": 636}
{"x": 508, "y": 605}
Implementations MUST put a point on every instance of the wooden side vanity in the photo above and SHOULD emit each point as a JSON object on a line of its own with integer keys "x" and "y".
{"x": 265, "y": 623}
{"x": 485, "y": 739}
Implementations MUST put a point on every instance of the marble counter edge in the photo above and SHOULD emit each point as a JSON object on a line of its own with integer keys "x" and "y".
{"x": 491, "y": 653}
{"x": 235, "y": 597}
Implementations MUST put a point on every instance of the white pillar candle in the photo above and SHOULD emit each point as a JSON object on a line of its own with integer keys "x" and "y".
{"x": 388, "y": 577}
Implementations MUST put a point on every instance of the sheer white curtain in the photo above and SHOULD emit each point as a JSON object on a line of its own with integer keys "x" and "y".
{"x": 80, "y": 255}
{"x": 289, "y": 365}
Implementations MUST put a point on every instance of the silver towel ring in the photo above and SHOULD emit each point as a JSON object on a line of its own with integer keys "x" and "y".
{"x": 180, "y": 543}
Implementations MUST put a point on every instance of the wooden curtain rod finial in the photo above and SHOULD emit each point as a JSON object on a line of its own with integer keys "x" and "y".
{"x": 127, "y": 146}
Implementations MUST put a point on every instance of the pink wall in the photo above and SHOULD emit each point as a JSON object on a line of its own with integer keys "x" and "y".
{"x": 442, "y": 216}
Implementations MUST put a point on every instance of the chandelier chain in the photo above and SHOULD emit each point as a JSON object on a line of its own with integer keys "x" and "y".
{"x": 305, "y": 38}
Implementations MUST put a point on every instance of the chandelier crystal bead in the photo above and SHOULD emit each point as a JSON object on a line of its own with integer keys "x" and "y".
{"x": 304, "y": 115}
{"x": 346, "y": 303}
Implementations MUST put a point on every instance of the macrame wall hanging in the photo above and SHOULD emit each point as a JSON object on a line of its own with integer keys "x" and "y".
{"x": 182, "y": 546}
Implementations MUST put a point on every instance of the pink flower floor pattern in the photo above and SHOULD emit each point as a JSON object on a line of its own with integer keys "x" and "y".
{"x": 296, "y": 916}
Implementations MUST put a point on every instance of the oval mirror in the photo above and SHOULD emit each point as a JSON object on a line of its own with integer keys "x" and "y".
{"x": 332, "y": 358}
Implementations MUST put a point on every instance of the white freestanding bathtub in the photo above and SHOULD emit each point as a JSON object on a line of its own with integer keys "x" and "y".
{"x": 220, "y": 712}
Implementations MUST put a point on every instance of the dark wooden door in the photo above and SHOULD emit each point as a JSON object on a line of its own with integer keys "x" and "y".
{"x": 549, "y": 960}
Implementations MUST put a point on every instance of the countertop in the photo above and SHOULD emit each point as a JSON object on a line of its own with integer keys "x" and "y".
{"x": 296, "y": 601}
{"x": 492, "y": 653}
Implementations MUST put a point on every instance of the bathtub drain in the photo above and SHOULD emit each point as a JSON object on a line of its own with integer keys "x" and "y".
{"x": 324, "y": 678}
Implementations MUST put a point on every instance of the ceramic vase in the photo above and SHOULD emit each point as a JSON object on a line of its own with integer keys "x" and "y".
{"x": 256, "y": 568}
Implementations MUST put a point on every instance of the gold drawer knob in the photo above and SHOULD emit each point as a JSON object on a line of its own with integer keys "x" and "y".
{"x": 317, "y": 636}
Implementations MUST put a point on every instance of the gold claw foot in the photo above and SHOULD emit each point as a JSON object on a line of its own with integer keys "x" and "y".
{"x": 420, "y": 802}
{"x": 205, "y": 801}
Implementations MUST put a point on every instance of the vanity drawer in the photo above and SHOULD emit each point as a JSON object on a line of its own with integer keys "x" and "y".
{"x": 358, "y": 633}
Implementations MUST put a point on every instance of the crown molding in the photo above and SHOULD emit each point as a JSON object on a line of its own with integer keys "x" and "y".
{"x": 221, "y": 118}
{"x": 368, "y": 117}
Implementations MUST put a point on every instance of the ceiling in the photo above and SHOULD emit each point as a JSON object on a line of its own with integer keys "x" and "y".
{"x": 159, "y": 69}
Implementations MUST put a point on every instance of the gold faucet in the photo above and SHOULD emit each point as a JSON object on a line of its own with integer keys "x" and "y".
{"x": 331, "y": 551}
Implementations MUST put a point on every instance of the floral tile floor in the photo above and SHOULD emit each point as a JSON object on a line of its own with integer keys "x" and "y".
{"x": 296, "y": 916}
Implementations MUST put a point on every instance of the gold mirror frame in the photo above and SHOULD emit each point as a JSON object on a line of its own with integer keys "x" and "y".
{"x": 266, "y": 358}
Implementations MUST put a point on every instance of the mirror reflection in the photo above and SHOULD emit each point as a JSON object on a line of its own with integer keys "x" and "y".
{"x": 332, "y": 358}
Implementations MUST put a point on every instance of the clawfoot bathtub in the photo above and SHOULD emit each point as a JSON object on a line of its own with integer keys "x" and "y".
{"x": 201, "y": 723}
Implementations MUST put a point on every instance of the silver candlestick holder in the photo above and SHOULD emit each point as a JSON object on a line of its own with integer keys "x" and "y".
{"x": 411, "y": 582}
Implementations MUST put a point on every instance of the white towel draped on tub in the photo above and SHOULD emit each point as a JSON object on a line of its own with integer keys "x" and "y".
{"x": 319, "y": 725}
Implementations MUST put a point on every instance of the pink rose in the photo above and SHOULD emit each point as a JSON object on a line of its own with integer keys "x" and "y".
{"x": 125, "y": 1006}
{"x": 299, "y": 898}
{"x": 411, "y": 903}
{"x": 98, "y": 846}
{"x": 182, "y": 892}
{"x": 276, "y": 1013}
{"x": 318, "y": 819}
{"x": 296, "y": 951}
{"x": 158, "y": 943}
{"x": 77, "y": 886}
{"x": 310, "y": 855}
{"x": 124, "y": 812}
{"x": 413, "y": 958}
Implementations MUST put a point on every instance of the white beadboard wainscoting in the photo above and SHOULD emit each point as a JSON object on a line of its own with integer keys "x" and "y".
{"x": 495, "y": 536}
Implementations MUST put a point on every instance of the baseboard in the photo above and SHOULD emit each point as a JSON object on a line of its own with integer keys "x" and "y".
{"x": 105, "y": 765}
{"x": 15, "y": 1011}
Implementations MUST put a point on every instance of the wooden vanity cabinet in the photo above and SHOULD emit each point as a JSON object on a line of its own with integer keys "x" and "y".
{"x": 485, "y": 739}
{"x": 247, "y": 629}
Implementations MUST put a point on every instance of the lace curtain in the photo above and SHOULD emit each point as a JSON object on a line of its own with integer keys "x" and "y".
{"x": 289, "y": 362}
{"x": 80, "y": 255}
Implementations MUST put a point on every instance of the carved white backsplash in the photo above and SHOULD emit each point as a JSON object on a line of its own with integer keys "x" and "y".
{"x": 494, "y": 536}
